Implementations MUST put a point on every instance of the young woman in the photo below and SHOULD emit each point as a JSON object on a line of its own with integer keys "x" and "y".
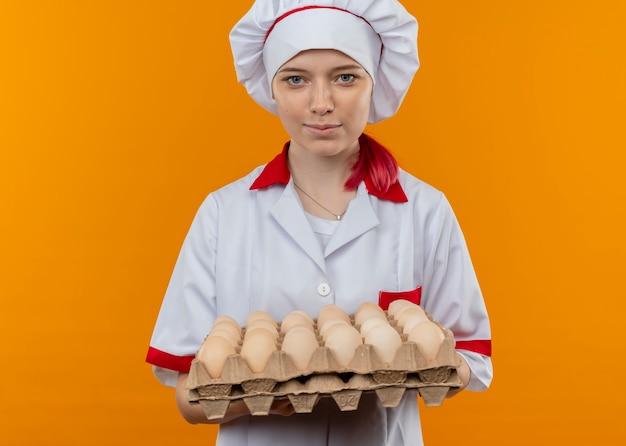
{"x": 331, "y": 219}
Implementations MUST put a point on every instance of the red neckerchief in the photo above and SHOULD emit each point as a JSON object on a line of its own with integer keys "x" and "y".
{"x": 277, "y": 172}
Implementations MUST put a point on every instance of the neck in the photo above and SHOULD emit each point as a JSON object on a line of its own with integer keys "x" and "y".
{"x": 321, "y": 172}
{"x": 321, "y": 180}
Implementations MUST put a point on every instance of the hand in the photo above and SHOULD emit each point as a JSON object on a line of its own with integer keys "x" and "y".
{"x": 463, "y": 370}
{"x": 464, "y": 373}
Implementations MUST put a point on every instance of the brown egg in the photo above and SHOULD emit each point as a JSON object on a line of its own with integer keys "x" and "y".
{"x": 329, "y": 312}
{"x": 368, "y": 312}
{"x": 224, "y": 332}
{"x": 213, "y": 354}
{"x": 412, "y": 321}
{"x": 329, "y": 323}
{"x": 224, "y": 319}
{"x": 270, "y": 325}
{"x": 299, "y": 344}
{"x": 263, "y": 315}
{"x": 261, "y": 325}
{"x": 367, "y": 304}
{"x": 398, "y": 305}
{"x": 259, "y": 315}
{"x": 407, "y": 313}
{"x": 257, "y": 347}
{"x": 305, "y": 315}
{"x": 428, "y": 337}
{"x": 296, "y": 318}
{"x": 371, "y": 323}
{"x": 385, "y": 340}
{"x": 221, "y": 322}
{"x": 342, "y": 340}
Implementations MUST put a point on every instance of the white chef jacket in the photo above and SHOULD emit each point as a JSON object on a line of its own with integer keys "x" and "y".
{"x": 250, "y": 247}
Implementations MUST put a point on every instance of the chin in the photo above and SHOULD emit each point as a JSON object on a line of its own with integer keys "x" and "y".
{"x": 329, "y": 147}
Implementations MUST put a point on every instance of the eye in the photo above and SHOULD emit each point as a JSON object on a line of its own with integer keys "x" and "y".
{"x": 345, "y": 78}
{"x": 294, "y": 80}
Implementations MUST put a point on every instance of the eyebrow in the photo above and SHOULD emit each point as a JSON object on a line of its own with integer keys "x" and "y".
{"x": 295, "y": 69}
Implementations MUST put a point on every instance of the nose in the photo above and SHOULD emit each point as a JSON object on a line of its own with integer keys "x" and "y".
{"x": 321, "y": 99}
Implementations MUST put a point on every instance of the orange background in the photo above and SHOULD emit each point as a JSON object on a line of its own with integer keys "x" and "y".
{"x": 118, "y": 117}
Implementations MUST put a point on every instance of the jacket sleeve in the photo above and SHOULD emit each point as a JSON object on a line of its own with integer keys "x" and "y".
{"x": 189, "y": 306}
{"x": 451, "y": 293}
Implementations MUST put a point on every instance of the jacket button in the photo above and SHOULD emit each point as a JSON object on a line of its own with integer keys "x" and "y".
{"x": 323, "y": 289}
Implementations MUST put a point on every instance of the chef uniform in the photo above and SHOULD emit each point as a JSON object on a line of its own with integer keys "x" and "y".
{"x": 251, "y": 246}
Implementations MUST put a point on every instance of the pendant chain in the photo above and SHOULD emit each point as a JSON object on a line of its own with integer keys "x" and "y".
{"x": 337, "y": 216}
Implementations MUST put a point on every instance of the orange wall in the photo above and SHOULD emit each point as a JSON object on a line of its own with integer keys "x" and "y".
{"x": 118, "y": 117}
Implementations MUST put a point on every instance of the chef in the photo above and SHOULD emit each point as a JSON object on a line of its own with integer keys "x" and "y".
{"x": 331, "y": 219}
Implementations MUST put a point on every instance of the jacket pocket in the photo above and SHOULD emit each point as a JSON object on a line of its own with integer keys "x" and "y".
{"x": 386, "y": 297}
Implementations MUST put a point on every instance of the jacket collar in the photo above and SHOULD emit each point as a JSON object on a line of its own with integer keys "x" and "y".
{"x": 277, "y": 172}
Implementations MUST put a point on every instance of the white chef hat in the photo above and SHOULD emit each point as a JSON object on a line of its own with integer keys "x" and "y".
{"x": 379, "y": 34}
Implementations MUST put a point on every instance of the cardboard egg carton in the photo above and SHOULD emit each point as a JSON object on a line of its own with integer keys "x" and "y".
{"x": 326, "y": 378}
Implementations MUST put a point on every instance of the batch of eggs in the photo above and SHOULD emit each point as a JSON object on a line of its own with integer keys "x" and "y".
{"x": 336, "y": 331}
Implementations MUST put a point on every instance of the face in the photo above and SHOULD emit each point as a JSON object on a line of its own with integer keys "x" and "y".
{"x": 323, "y": 100}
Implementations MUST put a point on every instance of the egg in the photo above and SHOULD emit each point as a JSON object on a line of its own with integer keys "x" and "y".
{"x": 407, "y": 313}
{"x": 305, "y": 315}
{"x": 261, "y": 325}
{"x": 213, "y": 354}
{"x": 428, "y": 337}
{"x": 299, "y": 344}
{"x": 367, "y": 312}
{"x": 329, "y": 323}
{"x": 295, "y": 318}
{"x": 261, "y": 315}
{"x": 371, "y": 323}
{"x": 224, "y": 332}
{"x": 385, "y": 340}
{"x": 329, "y": 312}
{"x": 367, "y": 304}
{"x": 342, "y": 340}
{"x": 257, "y": 347}
{"x": 231, "y": 325}
{"x": 398, "y": 305}
{"x": 412, "y": 322}
{"x": 224, "y": 319}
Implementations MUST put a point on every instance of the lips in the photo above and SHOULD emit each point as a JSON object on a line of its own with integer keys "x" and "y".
{"x": 322, "y": 129}
{"x": 322, "y": 126}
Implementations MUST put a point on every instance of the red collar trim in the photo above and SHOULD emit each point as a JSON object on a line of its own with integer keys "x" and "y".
{"x": 277, "y": 172}
{"x": 395, "y": 192}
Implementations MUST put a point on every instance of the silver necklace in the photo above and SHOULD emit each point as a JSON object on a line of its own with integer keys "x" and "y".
{"x": 337, "y": 216}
